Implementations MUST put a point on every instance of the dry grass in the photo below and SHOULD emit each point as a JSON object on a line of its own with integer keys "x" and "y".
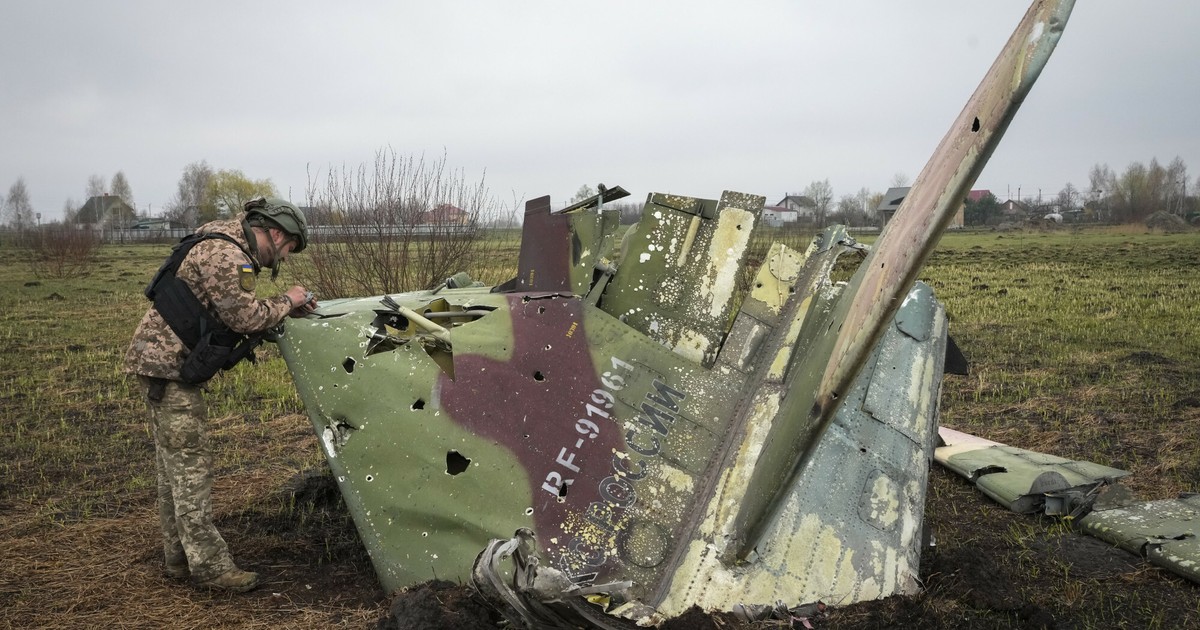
{"x": 1082, "y": 345}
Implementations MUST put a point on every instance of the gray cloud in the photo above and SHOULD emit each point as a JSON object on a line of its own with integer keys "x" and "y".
{"x": 686, "y": 97}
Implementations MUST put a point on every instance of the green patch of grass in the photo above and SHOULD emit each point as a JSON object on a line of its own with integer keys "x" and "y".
{"x": 1082, "y": 344}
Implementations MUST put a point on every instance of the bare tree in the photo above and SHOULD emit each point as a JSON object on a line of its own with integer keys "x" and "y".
{"x": 70, "y": 211}
{"x": 1068, "y": 197}
{"x": 821, "y": 194}
{"x": 849, "y": 211}
{"x": 630, "y": 212}
{"x": 900, "y": 180}
{"x": 120, "y": 187}
{"x": 1177, "y": 180}
{"x": 404, "y": 223}
{"x": 1101, "y": 182}
{"x": 191, "y": 195}
{"x": 18, "y": 211}
{"x": 1141, "y": 191}
{"x": 584, "y": 192}
{"x": 59, "y": 250}
{"x": 95, "y": 186}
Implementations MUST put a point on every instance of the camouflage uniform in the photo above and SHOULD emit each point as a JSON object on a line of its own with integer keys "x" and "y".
{"x": 213, "y": 270}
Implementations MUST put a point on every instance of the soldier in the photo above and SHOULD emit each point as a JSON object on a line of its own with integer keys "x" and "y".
{"x": 206, "y": 317}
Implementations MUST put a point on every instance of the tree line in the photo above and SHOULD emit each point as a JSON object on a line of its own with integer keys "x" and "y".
{"x": 1132, "y": 196}
{"x": 204, "y": 194}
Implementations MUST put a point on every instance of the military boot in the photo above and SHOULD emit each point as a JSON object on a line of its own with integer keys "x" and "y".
{"x": 176, "y": 570}
{"x": 235, "y": 580}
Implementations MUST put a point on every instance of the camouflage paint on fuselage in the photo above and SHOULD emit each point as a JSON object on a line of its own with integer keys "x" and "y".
{"x": 648, "y": 428}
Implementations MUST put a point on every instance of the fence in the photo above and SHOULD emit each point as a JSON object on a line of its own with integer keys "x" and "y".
{"x": 325, "y": 233}
{"x": 142, "y": 236}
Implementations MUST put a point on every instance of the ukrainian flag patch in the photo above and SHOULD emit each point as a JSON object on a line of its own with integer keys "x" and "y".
{"x": 246, "y": 277}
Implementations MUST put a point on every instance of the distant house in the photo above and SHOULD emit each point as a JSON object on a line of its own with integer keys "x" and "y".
{"x": 891, "y": 203}
{"x": 105, "y": 210}
{"x": 1014, "y": 210}
{"x": 804, "y": 207}
{"x": 976, "y": 195}
{"x": 778, "y": 216}
{"x": 973, "y": 196}
{"x": 895, "y": 196}
{"x": 446, "y": 214}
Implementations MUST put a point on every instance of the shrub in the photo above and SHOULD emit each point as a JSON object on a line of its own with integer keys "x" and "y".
{"x": 60, "y": 251}
{"x": 403, "y": 224}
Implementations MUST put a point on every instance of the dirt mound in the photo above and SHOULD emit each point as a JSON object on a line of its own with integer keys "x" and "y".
{"x": 439, "y": 604}
{"x": 1167, "y": 222}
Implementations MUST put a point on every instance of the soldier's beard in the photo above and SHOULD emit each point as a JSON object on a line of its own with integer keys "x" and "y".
{"x": 276, "y": 260}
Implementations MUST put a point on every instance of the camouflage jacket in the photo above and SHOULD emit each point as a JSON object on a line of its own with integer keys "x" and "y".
{"x": 212, "y": 270}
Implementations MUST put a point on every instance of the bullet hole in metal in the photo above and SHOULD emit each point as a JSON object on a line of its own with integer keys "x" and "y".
{"x": 862, "y": 450}
{"x": 547, "y": 346}
{"x": 539, "y": 377}
{"x": 541, "y": 309}
{"x": 370, "y": 478}
{"x": 419, "y": 404}
{"x": 791, "y": 290}
{"x": 757, "y": 285}
{"x": 456, "y": 463}
{"x": 348, "y": 365}
{"x": 424, "y": 534}
{"x": 739, "y": 227}
{"x": 562, "y": 491}
{"x": 975, "y": 125}
{"x": 528, "y": 511}
{"x": 338, "y": 431}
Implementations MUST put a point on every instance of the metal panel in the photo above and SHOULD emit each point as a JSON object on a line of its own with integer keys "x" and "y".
{"x": 1167, "y": 533}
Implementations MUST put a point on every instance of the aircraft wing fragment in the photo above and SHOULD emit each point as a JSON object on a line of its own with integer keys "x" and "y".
{"x": 1165, "y": 533}
{"x": 881, "y": 283}
{"x": 1016, "y": 478}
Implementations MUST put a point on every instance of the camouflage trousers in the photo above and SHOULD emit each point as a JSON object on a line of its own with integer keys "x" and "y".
{"x": 183, "y": 458}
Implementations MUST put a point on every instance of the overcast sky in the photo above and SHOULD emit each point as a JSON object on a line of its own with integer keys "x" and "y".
{"x": 658, "y": 96}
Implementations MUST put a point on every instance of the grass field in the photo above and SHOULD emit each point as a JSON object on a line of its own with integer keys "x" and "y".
{"x": 1082, "y": 344}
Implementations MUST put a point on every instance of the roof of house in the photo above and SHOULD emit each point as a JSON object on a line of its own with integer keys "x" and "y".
{"x": 799, "y": 200}
{"x": 97, "y": 208}
{"x": 976, "y": 195}
{"x": 893, "y": 197}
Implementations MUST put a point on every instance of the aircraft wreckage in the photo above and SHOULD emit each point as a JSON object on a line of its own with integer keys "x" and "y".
{"x": 609, "y": 441}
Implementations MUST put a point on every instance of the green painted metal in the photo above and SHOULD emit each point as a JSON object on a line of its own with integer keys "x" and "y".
{"x": 852, "y": 329}
{"x": 1017, "y": 478}
{"x": 1167, "y": 533}
{"x": 651, "y": 425}
{"x": 1163, "y": 532}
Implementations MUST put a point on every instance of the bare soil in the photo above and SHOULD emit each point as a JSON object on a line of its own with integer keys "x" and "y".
{"x": 1083, "y": 346}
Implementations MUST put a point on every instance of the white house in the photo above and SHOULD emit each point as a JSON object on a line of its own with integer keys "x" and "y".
{"x": 804, "y": 207}
{"x": 777, "y": 216}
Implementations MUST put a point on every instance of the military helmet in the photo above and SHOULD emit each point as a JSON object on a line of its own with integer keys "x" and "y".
{"x": 279, "y": 213}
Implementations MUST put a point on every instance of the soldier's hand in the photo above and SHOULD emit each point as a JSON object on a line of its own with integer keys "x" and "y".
{"x": 302, "y": 300}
